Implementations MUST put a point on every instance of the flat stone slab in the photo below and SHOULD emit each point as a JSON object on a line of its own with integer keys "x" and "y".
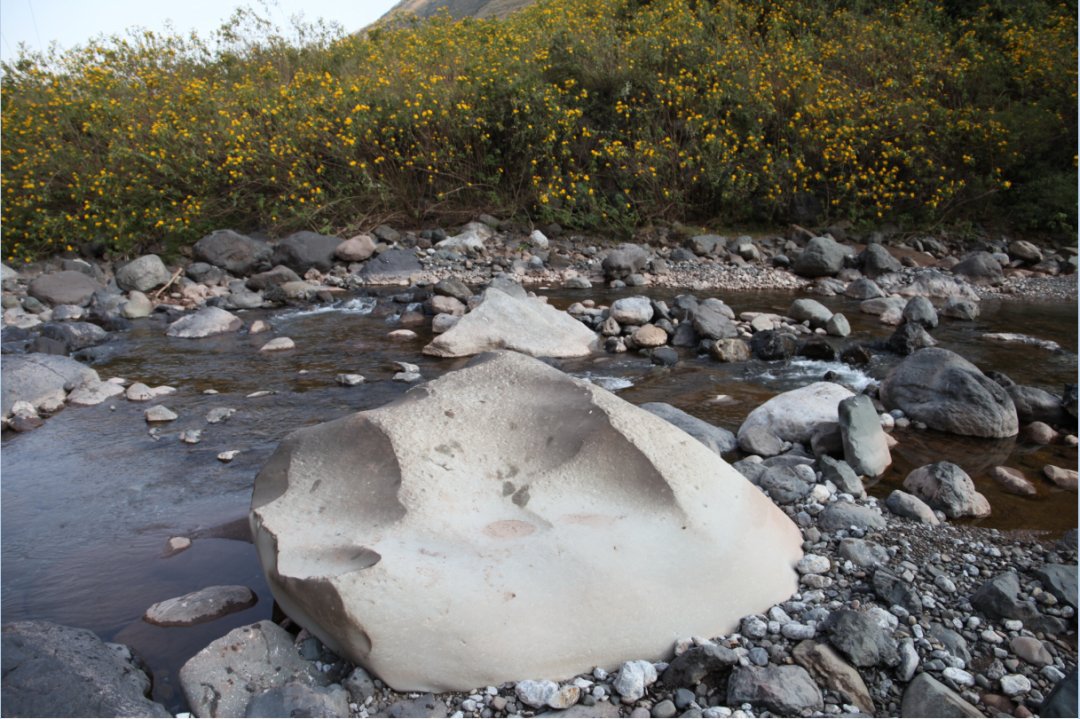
{"x": 201, "y": 606}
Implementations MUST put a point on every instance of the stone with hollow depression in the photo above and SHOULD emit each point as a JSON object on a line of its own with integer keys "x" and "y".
{"x": 515, "y": 523}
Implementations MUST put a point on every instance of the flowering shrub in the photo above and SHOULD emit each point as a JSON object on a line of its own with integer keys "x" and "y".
{"x": 600, "y": 114}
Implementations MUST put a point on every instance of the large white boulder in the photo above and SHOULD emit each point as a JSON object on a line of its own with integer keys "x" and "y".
{"x": 794, "y": 416}
{"x": 508, "y": 521}
{"x": 522, "y": 324}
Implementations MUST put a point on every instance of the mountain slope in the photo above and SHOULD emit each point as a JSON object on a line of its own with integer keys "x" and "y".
{"x": 457, "y": 8}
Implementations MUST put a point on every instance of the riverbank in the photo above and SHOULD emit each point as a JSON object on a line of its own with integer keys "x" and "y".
{"x": 998, "y": 667}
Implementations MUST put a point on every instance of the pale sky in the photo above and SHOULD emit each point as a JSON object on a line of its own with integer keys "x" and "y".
{"x": 74, "y": 22}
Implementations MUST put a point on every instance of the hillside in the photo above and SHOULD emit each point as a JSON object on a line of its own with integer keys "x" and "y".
{"x": 457, "y": 9}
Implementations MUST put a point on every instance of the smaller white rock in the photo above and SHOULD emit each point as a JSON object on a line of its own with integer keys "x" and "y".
{"x": 191, "y": 436}
{"x": 538, "y": 239}
{"x": 277, "y": 344}
{"x": 813, "y": 563}
{"x": 402, "y": 335}
{"x": 22, "y": 408}
{"x": 228, "y": 456}
{"x": 139, "y": 392}
{"x": 1013, "y": 684}
{"x": 349, "y": 380}
{"x": 175, "y": 545}
{"x": 219, "y": 414}
{"x": 959, "y": 677}
{"x": 259, "y": 393}
{"x": 535, "y": 693}
{"x": 160, "y": 413}
{"x": 409, "y": 377}
{"x": 258, "y": 326}
{"x": 632, "y": 680}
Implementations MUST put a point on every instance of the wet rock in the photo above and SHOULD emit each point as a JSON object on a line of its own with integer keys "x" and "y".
{"x": 394, "y": 266}
{"x": 624, "y": 260}
{"x": 138, "y": 305}
{"x": 946, "y": 486}
{"x": 948, "y": 393}
{"x": 221, "y": 679}
{"x": 960, "y": 308}
{"x": 1012, "y": 481}
{"x": 219, "y": 414}
{"x": 858, "y": 637}
{"x": 863, "y": 289}
{"x": 53, "y": 670}
{"x": 238, "y": 254}
{"x": 908, "y": 338}
{"x": 795, "y": 415}
{"x": 1037, "y": 405}
{"x": 275, "y": 277}
{"x": 907, "y": 505}
{"x": 844, "y": 515}
{"x": 727, "y": 350}
{"x": 717, "y": 439}
{"x": 866, "y": 449}
{"x": 812, "y": 311}
{"x": 202, "y": 606}
{"x": 927, "y": 697}
{"x": 1039, "y": 433}
{"x": 453, "y": 287}
{"x": 712, "y": 319}
{"x": 75, "y": 335}
{"x": 355, "y": 249}
{"x": 980, "y": 268}
{"x": 830, "y": 671}
{"x": 822, "y": 256}
{"x": 93, "y": 393}
{"x": 921, "y": 312}
{"x": 228, "y": 455}
{"x": 773, "y": 345}
{"x": 1061, "y": 477}
{"x": 524, "y": 325}
{"x": 786, "y": 690}
{"x": 296, "y": 699}
{"x": 143, "y": 274}
{"x": 36, "y": 377}
{"x": 277, "y": 344}
{"x": 621, "y": 457}
{"x": 649, "y": 336}
{"x": 204, "y": 323}
{"x": 67, "y": 287}
{"x": 160, "y": 413}
{"x": 838, "y": 326}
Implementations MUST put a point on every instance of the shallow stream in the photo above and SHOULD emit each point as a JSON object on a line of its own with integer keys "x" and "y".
{"x": 90, "y": 499}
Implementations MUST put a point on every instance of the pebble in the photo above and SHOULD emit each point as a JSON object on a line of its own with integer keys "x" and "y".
{"x": 813, "y": 563}
{"x": 664, "y": 709}
{"x": 191, "y": 436}
{"x": 228, "y": 456}
{"x": 278, "y": 344}
{"x": 259, "y": 393}
{"x": 160, "y": 413}
{"x": 408, "y": 377}
{"x": 959, "y": 677}
{"x": 175, "y": 545}
{"x": 401, "y": 335}
{"x": 219, "y": 414}
{"x": 1013, "y": 684}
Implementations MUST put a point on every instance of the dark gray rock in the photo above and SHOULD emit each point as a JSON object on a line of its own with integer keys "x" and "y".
{"x": 295, "y": 699}
{"x": 920, "y": 311}
{"x": 272, "y": 278}
{"x": 960, "y": 308}
{"x": 771, "y": 345}
{"x": 453, "y": 287}
{"x": 1062, "y": 700}
{"x": 842, "y": 475}
{"x": 75, "y": 335}
{"x": 948, "y": 393}
{"x": 876, "y": 261}
{"x": 833, "y": 673}
{"x": 206, "y": 273}
{"x": 717, "y": 439}
{"x": 664, "y": 356}
{"x": 33, "y": 377}
{"x": 946, "y": 486}
{"x": 625, "y": 260}
{"x": 927, "y": 697}
{"x": 707, "y": 245}
{"x": 713, "y": 319}
{"x": 201, "y": 606}
{"x": 863, "y": 289}
{"x": 787, "y": 690}
{"x": 1069, "y": 399}
{"x": 908, "y": 338}
{"x": 304, "y": 250}
{"x": 907, "y": 505}
{"x": 953, "y": 641}
{"x": 844, "y": 515}
{"x": 863, "y": 553}
{"x": 54, "y": 671}
{"x": 423, "y": 707}
{"x": 891, "y": 590}
{"x": 1060, "y": 580}
{"x": 685, "y": 336}
{"x": 728, "y": 350}
{"x": 858, "y": 637}
{"x": 980, "y": 268}
{"x": 695, "y": 664}
{"x": 759, "y": 440}
{"x": 866, "y": 448}
{"x": 816, "y": 347}
{"x": 822, "y": 256}
{"x": 783, "y": 484}
{"x": 68, "y": 287}
{"x": 394, "y": 265}
{"x": 239, "y": 254}
{"x": 143, "y": 274}
{"x": 808, "y": 310}
{"x": 998, "y": 598}
{"x": 1037, "y": 405}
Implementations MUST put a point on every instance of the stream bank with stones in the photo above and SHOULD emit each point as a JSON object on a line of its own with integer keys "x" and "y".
{"x": 176, "y": 508}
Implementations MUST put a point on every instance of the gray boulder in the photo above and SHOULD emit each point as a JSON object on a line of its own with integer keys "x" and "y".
{"x": 999, "y": 598}
{"x": 892, "y": 591}
{"x": 1060, "y": 580}
{"x": 697, "y": 663}
{"x": 920, "y": 311}
{"x": 222, "y": 679}
{"x": 54, "y": 671}
{"x": 795, "y": 415}
{"x": 946, "y": 486}
{"x": 201, "y": 606}
{"x": 296, "y": 699}
{"x": 949, "y": 394}
{"x": 1037, "y": 405}
{"x": 302, "y": 251}
{"x": 876, "y": 261}
{"x": 207, "y": 321}
{"x": 863, "y": 289}
{"x": 907, "y": 505}
{"x": 866, "y": 448}
{"x": 712, "y": 319}
{"x": 75, "y": 335}
{"x": 908, "y": 338}
{"x": 239, "y": 254}
{"x": 67, "y": 287}
{"x": 143, "y": 274}
{"x": 927, "y": 697}
{"x": 770, "y": 345}
{"x": 625, "y": 260}
{"x": 861, "y": 639}
{"x": 34, "y": 377}
{"x": 845, "y": 515}
{"x": 1025, "y": 251}
{"x": 931, "y": 282}
{"x": 980, "y": 268}
{"x": 833, "y": 673}
{"x": 786, "y": 690}
{"x": 862, "y": 553}
{"x": 960, "y": 308}
{"x": 783, "y": 484}
{"x": 822, "y": 256}
{"x": 718, "y": 439}
{"x": 394, "y": 266}
{"x": 812, "y": 311}
{"x": 632, "y": 310}
{"x": 275, "y": 277}
{"x": 355, "y": 249}
{"x": 842, "y": 475}
{"x": 706, "y": 245}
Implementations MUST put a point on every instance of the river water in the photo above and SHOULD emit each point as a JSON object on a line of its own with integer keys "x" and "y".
{"x": 90, "y": 499}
